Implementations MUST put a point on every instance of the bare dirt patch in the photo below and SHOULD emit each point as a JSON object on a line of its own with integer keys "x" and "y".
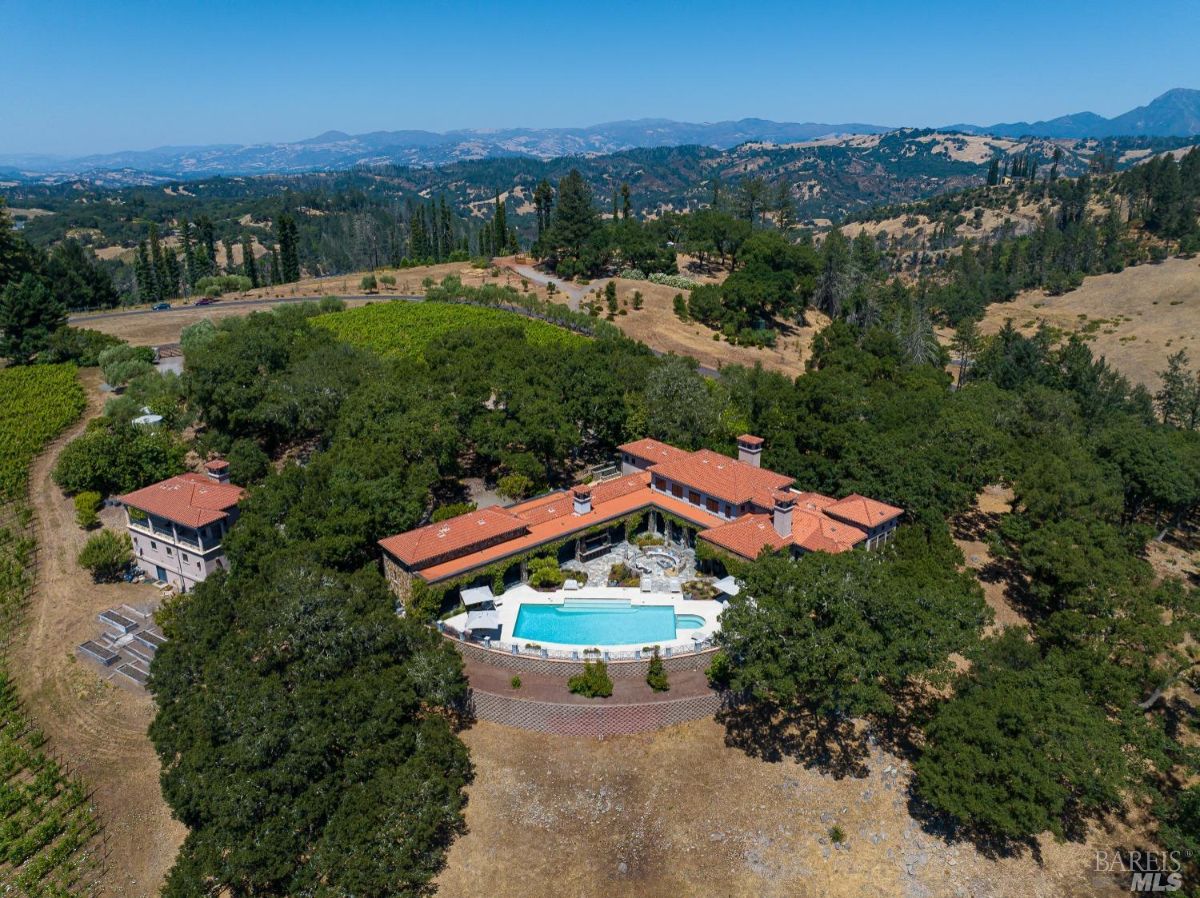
{"x": 996, "y": 576}
{"x": 678, "y": 812}
{"x": 97, "y": 726}
{"x": 1135, "y": 318}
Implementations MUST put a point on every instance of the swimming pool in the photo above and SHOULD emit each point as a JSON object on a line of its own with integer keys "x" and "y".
{"x": 597, "y": 622}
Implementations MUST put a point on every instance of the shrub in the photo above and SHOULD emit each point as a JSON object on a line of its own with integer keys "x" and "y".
{"x": 216, "y": 284}
{"x": 87, "y": 504}
{"x": 593, "y": 682}
{"x": 656, "y": 674}
{"x": 368, "y": 283}
{"x": 515, "y": 486}
{"x": 837, "y": 835}
{"x": 515, "y": 682}
{"x": 454, "y": 509}
{"x": 672, "y": 280}
{"x": 123, "y": 363}
{"x": 632, "y": 274}
{"x": 545, "y": 572}
{"x": 106, "y": 554}
{"x": 329, "y": 304}
{"x": 637, "y": 299}
{"x": 680, "y": 306}
{"x": 78, "y": 345}
{"x": 623, "y": 575}
{"x": 388, "y": 280}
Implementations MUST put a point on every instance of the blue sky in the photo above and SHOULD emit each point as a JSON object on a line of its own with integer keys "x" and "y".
{"x": 98, "y": 76}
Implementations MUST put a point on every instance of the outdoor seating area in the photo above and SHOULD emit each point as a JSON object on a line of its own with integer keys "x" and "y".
{"x": 654, "y": 562}
{"x": 126, "y": 644}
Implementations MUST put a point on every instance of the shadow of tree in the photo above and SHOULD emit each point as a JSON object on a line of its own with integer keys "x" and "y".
{"x": 837, "y": 747}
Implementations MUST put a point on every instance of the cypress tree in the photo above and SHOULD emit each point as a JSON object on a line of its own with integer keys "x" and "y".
{"x": 143, "y": 271}
{"x": 276, "y": 272}
{"x": 249, "y": 264}
{"x": 230, "y": 268}
{"x": 157, "y": 260}
{"x": 626, "y": 205}
{"x": 189, "y": 263}
{"x": 171, "y": 267}
{"x": 289, "y": 257}
{"x": 500, "y": 223}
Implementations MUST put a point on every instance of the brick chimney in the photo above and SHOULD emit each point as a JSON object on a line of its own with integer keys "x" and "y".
{"x": 785, "y": 502}
{"x": 581, "y": 497}
{"x": 750, "y": 449}
{"x": 218, "y": 470}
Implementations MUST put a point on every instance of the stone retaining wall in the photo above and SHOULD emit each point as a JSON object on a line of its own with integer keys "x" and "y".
{"x": 628, "y": 669}
{"x": 597, "y": 719}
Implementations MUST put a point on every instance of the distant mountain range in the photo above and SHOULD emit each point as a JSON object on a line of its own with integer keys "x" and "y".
{"x": 1174, "y": 114}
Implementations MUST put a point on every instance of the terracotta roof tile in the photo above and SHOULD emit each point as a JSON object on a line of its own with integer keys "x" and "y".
{"x": 193, "y": 500}
{"x": 863, "y": 511}
{"x": 746, "y": 535}
{"x": 653, "y": 451}
{"x": 454, "y": 535}
{"x": 723, "y": 477}
{"x": 817, "y": 532}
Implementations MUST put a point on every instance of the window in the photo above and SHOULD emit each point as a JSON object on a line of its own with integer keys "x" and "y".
{"x": 693, "y": 497}
{"x": 198, "y": 565}
{"x": 711, "y": 504}
{"x": 677, "y": 490}
{"x": 660, "y": 484}
{"x": 169, "y": 550}
{"x": 153, "y": 544}
{"x": 184, "y": 554}
{"x": 728, "y": 510}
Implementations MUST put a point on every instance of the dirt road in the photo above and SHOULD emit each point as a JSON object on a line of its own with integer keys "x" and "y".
{"x": 98, "y": 727}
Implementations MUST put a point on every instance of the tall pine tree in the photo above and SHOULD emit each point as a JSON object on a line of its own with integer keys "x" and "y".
{"x": 249, "y": 265}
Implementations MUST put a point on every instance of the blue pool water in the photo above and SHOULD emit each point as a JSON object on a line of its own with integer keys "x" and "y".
{"x": 597, "y": 622}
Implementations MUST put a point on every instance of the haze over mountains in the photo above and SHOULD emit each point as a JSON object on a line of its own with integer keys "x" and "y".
{"x": 1174, "y": 114}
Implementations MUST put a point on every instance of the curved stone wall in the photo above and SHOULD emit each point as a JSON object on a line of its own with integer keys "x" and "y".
{"x": 597, "y": 719}
{"x": 628, "y": 669}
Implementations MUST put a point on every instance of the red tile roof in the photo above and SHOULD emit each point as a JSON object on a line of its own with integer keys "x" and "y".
{"x": 816, "y": 532}
{"x": 455, "y": 535}
{"x": 723, "y": 477}
{"x": 863, "y": 511}
{"x": 653, "y": 451}
{"x": 746, "y": 535}
{"x": 750, "y": 439}
{"x": 193, "y": 500}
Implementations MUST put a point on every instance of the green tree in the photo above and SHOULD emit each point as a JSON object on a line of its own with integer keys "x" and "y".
{"x": 1020, "y": 749}
{"x": 289, "y": 253}
{"x": 29, "y": 315}
{"x": 362, "y": 789}
{"x": 87, "y": 506}
{"x": 77, "y": 280}
{"x": 576, "y": 220}
{"x": 249, "y": 265}
{"x": 106, "y": 554}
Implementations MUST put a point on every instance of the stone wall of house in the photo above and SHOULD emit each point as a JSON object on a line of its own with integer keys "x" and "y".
{"x": 398, "y": 578}
{"x": 598, "y": 719}
{"x": 626, "y": 670}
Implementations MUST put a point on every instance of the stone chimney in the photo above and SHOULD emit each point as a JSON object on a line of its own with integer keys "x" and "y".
{"x": 785, "y": 502}
{"x": 218, "y": 470}
{"x": 581, "y": 497}
{"x": 750, "y": 449}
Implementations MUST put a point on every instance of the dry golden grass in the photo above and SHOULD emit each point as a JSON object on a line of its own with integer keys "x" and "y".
{"x": 1135, "y": 319}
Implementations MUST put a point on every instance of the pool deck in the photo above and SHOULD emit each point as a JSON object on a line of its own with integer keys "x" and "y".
{"x": 509, "y": 605}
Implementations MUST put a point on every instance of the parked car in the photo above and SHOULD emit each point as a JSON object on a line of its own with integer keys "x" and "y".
{"x": 205, "y": 301}
{"x": 160, "y": 306}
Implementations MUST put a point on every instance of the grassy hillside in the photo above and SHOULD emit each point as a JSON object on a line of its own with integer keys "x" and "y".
{"x": 407, "y": 329}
